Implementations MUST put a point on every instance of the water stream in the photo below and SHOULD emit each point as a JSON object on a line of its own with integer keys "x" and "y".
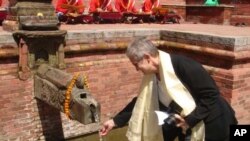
{"x": 97, "y": 120}
{"x": 117, "y": 134}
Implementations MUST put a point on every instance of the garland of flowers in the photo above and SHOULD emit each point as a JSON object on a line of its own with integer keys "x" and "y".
{"x": 68, "y": 94}
{"x": 69, "y": 91}
{"x": 85, "y": 82}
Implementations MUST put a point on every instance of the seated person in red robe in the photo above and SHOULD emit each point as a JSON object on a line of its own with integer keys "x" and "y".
{"x": 100, "y": 6}
{"x": 125, "y": 6}
{"x": 148, "y": 5}
{"x": 69, "y": 8}
{"x": 147, "y": 8}
{"x": 3, "y": 12}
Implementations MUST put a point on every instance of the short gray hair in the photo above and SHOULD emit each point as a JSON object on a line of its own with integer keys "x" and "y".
{"x": 137, "y": 48}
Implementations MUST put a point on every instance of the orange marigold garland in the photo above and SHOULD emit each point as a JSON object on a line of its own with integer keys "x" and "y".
{"x": 85, "y": 82}
{"x": 69, "y": 91}
{"x": 68, "y": 94}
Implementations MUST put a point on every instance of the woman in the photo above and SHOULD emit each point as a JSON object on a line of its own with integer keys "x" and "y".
{"x": 181, "y": 85}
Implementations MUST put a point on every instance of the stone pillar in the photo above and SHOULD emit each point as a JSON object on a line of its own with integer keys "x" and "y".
{"x": 24, "y": 72}
{"x": 39, "y": 47}
{"x": 61, "y": 55}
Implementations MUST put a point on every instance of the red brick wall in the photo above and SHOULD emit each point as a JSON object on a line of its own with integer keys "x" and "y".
{"x": 235, "y": 88}
{"x": 18, "y": 114}
{"x": 241, "y": 14}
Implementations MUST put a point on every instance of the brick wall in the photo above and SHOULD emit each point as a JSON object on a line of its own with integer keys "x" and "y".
{"x": 18, "y": 114}
{"x": 235, "y": 88}
{"x": 241, "y": 14}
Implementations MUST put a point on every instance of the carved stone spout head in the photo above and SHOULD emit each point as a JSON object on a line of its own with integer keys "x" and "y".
{"x": 85, "y": 108}
{"x": 52, "y": 85}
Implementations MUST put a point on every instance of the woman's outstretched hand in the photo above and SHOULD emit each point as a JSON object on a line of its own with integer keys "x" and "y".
{"x": 106, "y": 127}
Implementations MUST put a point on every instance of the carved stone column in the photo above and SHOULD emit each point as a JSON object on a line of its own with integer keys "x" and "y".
{"x": 39, "y": 47}
{"x": 23, "y": 60}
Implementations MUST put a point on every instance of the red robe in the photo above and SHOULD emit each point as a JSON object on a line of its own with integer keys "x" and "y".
{"x": 105, "y": 5}
{"x": 125, "y": 6}
{"x": 69, "y": 2}
{"x": 148, "y": 5}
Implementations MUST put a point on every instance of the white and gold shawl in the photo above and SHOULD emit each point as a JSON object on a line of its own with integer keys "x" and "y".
{"x": 143, "y": 125}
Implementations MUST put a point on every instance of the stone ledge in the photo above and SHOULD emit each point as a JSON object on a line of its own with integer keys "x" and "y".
{"x": 231, "y": 43}
{"x": 6, "y": 38}
{"x": 192, "y": 36}
{"x": 86, "y": 36}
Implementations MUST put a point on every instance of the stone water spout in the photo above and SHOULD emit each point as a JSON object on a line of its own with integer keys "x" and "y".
{"x": 51, "y": 85}
{"x": 41, "y": 55}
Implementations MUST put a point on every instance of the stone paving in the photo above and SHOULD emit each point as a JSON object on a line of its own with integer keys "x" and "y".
{"x": 236, "y": 36}
{"x": 222, "y": 30}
